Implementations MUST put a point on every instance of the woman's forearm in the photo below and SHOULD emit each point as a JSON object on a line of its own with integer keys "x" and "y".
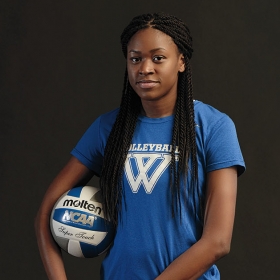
{"x": 72, "y": 174}
{"x": 217, "y": 232}
{"x": 50, "y": 253}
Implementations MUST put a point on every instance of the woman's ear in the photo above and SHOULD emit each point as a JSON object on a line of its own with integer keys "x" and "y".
{"x": 181, "y": 63}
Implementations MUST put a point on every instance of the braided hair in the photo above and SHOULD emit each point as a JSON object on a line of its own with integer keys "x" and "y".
{"x": 183, "y": 134}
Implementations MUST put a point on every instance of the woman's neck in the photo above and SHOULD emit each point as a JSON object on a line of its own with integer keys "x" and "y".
{"x": 154, "y": 109}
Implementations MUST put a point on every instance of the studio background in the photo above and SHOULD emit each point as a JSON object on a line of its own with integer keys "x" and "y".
{"x": 61, "y": 66}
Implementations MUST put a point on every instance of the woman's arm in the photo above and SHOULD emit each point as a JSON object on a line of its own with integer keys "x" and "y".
{"x": 74, "y": 173}
{"x": 217, "y": 232}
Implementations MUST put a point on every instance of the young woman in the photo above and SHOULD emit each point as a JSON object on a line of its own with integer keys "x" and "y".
{"x": 168, "y": 166}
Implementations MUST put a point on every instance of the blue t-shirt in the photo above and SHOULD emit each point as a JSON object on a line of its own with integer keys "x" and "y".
{"x": 148, "y": 239}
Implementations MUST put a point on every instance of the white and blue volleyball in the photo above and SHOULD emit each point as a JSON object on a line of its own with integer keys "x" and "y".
{"x": 78, "y": 225}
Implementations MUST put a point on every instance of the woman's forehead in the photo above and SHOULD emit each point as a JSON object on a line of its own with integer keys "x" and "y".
{"x": 150, "y": 38}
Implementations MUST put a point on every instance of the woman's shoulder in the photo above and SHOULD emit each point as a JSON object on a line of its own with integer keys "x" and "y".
{"x": 104, "y": 122}
{"x": 110, "y": 114}
{"x": 207, "y": 114}
{"x": 108, "y": 118}
{"x": 206, "y": 109}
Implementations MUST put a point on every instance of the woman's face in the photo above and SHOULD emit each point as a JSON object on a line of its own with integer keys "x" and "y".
{"x": 153, "y": 63}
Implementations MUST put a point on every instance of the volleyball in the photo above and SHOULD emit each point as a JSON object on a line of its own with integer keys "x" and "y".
{"x": 78, "y": 225}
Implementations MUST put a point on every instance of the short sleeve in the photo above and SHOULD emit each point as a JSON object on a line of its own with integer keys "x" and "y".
{"x": 222, "y": 147}
{"x": 89, "y": 149}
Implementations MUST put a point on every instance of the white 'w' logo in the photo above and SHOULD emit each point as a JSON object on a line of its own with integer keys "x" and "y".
{"x": 145, "y": 169}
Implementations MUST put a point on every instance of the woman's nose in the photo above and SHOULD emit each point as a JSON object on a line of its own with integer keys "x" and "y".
{"x": 146, "y": 68}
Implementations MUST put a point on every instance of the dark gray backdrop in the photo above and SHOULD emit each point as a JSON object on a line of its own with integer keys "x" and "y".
{"x": 61, "y": 66}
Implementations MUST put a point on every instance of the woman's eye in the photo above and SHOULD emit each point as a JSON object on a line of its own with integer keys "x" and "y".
{"x": 135, "y": 59}
{"x": 158, "y": 58}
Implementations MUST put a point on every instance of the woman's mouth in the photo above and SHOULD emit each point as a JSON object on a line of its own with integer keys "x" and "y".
{"x": 147, "y": 83}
